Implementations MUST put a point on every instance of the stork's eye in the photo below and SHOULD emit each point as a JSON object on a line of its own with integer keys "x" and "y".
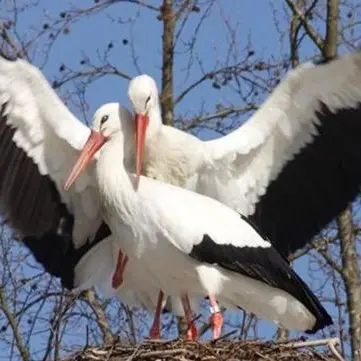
{"x": 104, "y": 119}
{"x": 147, "y": 101}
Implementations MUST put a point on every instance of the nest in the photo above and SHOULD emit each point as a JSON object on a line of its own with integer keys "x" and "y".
{"x": 221, "y": 350}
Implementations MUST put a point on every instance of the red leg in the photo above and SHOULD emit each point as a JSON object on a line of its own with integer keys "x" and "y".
{"x": 122, "y": 261}
{"x": 155, "y": 329}
{"x": 192, "y": 332}
{"x": 216, "y": 319}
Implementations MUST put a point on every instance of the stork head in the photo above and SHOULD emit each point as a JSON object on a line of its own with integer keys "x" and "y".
{"x": 143, "y": 95}
{"x": 111, "y": 119}
{"x": 110, "y": 122}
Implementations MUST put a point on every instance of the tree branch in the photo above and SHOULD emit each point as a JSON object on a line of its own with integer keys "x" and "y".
{"x": 12, "y": 322}
{"x": 311, "y": 32}
{"x": 93, "y": 301}
{"x": 352, "y": 280}
{"x": 167, "y": 101}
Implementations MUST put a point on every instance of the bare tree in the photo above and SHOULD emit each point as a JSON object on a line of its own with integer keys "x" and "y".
{"x": 38, "y": 318}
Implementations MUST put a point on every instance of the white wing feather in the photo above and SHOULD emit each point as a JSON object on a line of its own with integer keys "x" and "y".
{"x": 244, "y": 162}
{"x": 51, "y": 135}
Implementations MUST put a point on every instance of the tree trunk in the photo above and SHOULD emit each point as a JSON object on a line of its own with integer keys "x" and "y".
{"x": 169, "y": 21}
{"x": 351, "y": 278}
{"x": 330, "y": 47}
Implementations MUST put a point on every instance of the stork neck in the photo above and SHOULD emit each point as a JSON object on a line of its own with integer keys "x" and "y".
{"x": 116, "y": 187}
{"x": 155, "y": 121}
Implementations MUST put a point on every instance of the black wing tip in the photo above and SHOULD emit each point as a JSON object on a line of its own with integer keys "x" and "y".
{"x": 312, "y": 303}
{"x": 309, "y": 300}
{"x": 323, "y": 320}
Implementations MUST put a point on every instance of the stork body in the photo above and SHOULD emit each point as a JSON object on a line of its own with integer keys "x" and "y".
{"x": 189, "y": 243}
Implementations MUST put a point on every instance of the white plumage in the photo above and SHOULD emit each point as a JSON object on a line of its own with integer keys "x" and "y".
{"x": 43, "y": 124}
{"x": 103, "y": 258}
{"x": 204, "y": 246}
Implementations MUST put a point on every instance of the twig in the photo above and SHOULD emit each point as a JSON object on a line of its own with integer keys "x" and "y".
{"x": 12, "y": 322}
{"x": 210, "y": 351}
{"x": 263, "y": 356}
{"x": 102, "y": 321}
{"x": 158, "y": 341}
{"x": 312, "y": 33}
{"x": 10, "y": 41}
{"x": 99, "y": 352}
{"x": 311, "y": 343}
{"x": 330, "y": 342}
{"x": 159, "y": 353}
{"x": 135, "y": 353}
{"x": 220, "y": 338}
{"x": 332, "y": 346}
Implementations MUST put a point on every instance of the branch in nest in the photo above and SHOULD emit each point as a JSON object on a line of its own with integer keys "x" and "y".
{"x": 330, "y": 342}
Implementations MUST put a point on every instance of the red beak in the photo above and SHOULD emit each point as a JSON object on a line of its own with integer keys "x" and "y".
{"x": 95, "y": 141}
{"x": 141, "y": 124}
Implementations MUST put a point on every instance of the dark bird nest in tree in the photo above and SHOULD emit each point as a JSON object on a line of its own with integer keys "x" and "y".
{"x": 221, "y": 350}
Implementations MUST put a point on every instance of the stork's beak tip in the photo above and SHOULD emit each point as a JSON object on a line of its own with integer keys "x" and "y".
{"x": 95, "y": 141}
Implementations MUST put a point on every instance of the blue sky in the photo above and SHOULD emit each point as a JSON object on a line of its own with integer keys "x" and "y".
{"x": 253, "y": 20}
{"x": 97, "y": 31}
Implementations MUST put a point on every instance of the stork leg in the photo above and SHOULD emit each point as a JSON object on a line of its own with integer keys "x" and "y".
{"x": 216, "y": 319}
{"x": 192, "y": 332}
{"x": 122, "y": 261}
{"x": 155, "y": 329}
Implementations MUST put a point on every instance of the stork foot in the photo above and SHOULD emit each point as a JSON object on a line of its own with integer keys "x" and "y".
{"x": 192, "y": 332}
{"x": 154, "y": 333}
{"x": 216, "y": 321}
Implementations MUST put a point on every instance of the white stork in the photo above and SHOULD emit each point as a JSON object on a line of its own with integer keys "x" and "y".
{"x": 39, "y": 142}
{"x": 189, "y": 243}
{"x": 292, "y": 167}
